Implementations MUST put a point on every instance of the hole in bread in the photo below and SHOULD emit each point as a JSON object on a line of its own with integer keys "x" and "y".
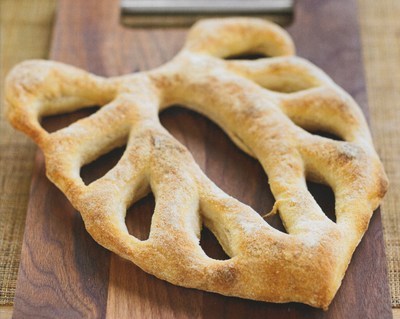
{"x": 276, "y": 222}
{"x": 246, "y": 56}
{"x": 53, "y": 123}
{"x": 325, "y": 198}
{"x": 99, "y": 167}
{"x": 138, "y": 217}
{"x": 235, "y": 172}
{"x": 285, "y": 85}
{"x": 325, "y": 134}
{"x": 281, "y": 79}
{"x": 211, "y": 246}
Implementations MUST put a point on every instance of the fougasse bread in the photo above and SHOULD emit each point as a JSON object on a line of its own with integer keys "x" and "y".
{"x": 268, "y": 107}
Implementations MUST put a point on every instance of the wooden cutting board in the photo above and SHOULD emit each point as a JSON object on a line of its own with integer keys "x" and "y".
{"x": 65, "y": 274}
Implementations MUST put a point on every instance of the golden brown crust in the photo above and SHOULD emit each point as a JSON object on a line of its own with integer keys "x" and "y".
{"x": 257, "y": 104}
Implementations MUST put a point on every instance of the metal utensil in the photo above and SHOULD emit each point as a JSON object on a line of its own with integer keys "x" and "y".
{"x": 175, "y": 13}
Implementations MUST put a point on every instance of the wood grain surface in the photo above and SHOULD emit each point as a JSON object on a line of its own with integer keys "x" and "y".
{"x": 65, "y": 274}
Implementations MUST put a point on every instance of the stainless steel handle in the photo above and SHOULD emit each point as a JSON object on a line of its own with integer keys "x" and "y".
{"x": 201, "y": 7}
{"x": 179, "y": 13}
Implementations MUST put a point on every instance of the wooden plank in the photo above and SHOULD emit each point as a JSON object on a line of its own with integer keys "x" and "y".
{"x": 63, "y": 273}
